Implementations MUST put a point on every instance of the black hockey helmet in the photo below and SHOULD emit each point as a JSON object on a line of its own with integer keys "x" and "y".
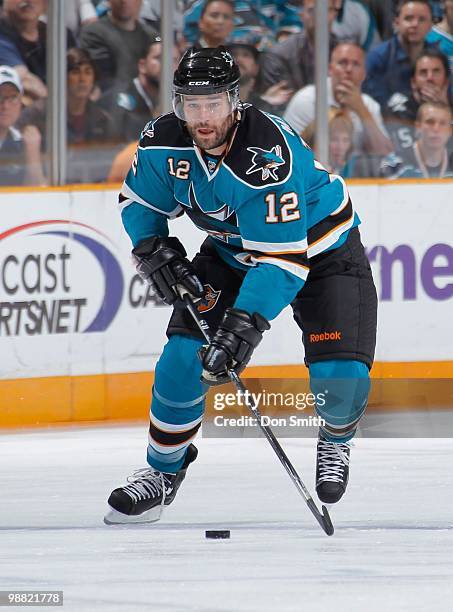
{"x": 205, "y": 71}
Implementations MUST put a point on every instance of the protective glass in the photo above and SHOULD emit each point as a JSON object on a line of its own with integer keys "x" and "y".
{"x": 217, "y": 106}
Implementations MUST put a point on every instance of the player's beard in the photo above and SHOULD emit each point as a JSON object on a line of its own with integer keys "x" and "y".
{"x": 216, "y": 138}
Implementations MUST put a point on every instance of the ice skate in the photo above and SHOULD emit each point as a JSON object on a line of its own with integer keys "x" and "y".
{"x": 332, "y": 470}
{"x": 148, "y": 491}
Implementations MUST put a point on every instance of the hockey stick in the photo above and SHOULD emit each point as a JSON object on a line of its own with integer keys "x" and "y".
{"x": 324, "y": 518}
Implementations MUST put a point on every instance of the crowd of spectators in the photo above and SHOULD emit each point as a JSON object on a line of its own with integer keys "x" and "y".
{"x": 390, "y": 82}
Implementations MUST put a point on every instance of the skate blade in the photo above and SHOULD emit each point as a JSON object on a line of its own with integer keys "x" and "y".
{"x": 113, "y": 517}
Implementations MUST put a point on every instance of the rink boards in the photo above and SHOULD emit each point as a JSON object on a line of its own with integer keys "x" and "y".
{"x": 80, "y": 333}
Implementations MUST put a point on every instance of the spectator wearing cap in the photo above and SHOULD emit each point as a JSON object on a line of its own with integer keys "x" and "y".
{"x": 389, "y": 65}
{"x": 430, "y": 156}
{"x": 133, "y": 106}
{"x": 429, "y": 83}
{"x": 275, "y": 98}
{"x": 293, "y": 59}
{"x": 23, "y": 43}
{"x": 116, "y": 42}
{"x": 347, "y": 72}
{"x": 20, "y": 151}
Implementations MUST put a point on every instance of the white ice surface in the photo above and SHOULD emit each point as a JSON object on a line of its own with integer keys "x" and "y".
{"x": 392, "y": 550}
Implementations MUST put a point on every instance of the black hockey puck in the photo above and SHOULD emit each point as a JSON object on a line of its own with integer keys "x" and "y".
{"x": 218, "y": 534}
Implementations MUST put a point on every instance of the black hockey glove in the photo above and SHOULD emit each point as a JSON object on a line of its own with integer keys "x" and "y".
{"x": 162, "y": 263}
{"x": 232, "y": 346}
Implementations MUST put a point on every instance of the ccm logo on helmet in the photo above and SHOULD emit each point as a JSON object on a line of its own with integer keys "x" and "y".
{"x": 198, "y": 82}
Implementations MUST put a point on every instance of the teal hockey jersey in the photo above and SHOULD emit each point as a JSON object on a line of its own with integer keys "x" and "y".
{"x": 268, "y": 206}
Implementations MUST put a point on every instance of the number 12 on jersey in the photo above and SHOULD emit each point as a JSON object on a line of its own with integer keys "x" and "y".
{"x": 288, "y": 208}
{"x": 182, "y": 168}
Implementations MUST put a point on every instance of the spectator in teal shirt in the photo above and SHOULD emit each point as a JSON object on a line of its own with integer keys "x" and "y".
{"x": 257, "y": 22}
{"x": 442, "y": 34}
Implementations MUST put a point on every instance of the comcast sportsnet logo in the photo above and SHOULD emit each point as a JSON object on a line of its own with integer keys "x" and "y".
{"x": 325, "y": 336}
{"x": 57, "y": 277}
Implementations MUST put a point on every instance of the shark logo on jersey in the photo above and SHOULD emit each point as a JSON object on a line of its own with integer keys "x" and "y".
{"x": 221, "y": 214}
{"x": 207, "y": 220}
{"x": 212, "y": 165}
{"x": 266, "y": 161}
{"x": 148, "y": 130}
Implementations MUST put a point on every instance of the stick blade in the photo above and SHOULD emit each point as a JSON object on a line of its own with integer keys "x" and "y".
{"x": 327, "y": 522}
{"x": 323, "y": 519}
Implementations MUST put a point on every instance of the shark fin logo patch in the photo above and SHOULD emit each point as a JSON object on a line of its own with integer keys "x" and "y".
{"x": 266, "y": 162}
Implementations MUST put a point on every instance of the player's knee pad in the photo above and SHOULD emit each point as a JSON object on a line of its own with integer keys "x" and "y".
{"x": 341, "y": 388}
{"x": 177, "y": 403}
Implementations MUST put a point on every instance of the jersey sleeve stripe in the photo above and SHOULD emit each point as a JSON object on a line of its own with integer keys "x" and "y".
{"x": 330, "y": 238}
{"x": 321, "y": 229}
{"x": 131, "y": 196}
{"x": 300, "y": 259}
{"x": 346, "y": 199}
{"x": 297, "y": 269}
{"x": 277, "y": 248}
{"x": 318, "y": 165}
{"x": 123, "y": 202}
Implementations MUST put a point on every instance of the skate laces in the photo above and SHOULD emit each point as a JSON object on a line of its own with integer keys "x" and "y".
{"x": 333, "y": 457}
{"x": 146, "y": 483}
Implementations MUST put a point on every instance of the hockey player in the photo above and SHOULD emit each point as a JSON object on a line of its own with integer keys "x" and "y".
{"x": 281, "y": 231}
